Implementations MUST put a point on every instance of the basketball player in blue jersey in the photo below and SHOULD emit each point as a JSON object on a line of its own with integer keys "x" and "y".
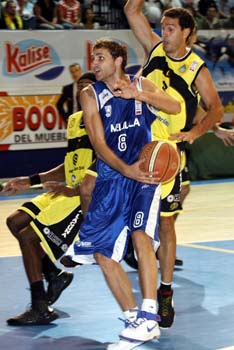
{"x": 125, "y": 200}
{"x": 171, "y": 65}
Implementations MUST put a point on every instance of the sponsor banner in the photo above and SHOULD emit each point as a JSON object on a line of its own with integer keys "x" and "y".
{"x": 37, "y": 61}
{"x": 29, "y": 122}
{"x": 34, "y": 68}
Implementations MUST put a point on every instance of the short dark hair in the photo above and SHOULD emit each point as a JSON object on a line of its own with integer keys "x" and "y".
{"x": 88, "y": 75}
{"x": 75, "y": 64}
{"x": 185, "y": 18}
{"x": 115, "y": 48}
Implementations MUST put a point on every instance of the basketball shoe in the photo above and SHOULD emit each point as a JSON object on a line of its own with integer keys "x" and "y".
{"x": 67, "y": 261}
{"x": 39, "y": 314}
{"x": 165, "y": 308}
{"x": 57, "y": 283}
{"x": 144, "y": 328}
{"x": 131, "y": 259}
{"x": 178, "y": 262}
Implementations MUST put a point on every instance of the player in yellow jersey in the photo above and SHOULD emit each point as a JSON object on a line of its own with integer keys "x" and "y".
{"x": 51, "y": 220}
{"x": 174, "y": 67}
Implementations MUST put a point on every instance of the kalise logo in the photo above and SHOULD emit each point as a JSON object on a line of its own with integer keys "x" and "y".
{"x": 30, "y": 55}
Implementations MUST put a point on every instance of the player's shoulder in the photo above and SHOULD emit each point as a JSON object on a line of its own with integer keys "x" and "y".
{"x": 87, "y": 92}
{"x": 157, "y": 46}
{"x": 193, "y": 55}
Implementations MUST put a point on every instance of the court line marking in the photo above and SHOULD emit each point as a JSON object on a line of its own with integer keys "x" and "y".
{"x": 197, "y": 246}
{"x": 212, "y": 181}
{"x": 13, "y": 255}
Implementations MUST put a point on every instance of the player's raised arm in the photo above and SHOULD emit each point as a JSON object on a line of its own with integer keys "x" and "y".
{"x": 140, "y": 25}
{"x": 158, "y": 98}
{"x": 148, "y": 93}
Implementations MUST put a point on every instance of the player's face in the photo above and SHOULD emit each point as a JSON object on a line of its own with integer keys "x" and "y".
{"x": 103, "y": 64}
{"x": 75, "y": 72}
{"x": 174, "y": 39}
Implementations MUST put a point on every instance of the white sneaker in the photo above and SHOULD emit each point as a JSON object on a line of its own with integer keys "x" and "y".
{"x": 143, "y": 329}
{"x": 124, "y": 345}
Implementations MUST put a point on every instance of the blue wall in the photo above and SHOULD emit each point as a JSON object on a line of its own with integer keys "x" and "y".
{"x": 19, "y": 163}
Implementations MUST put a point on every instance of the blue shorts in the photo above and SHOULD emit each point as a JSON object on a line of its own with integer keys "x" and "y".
{"x": 118, "y": 208}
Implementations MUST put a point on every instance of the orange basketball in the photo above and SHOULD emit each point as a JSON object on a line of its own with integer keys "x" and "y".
{"x": 162, "y": 157}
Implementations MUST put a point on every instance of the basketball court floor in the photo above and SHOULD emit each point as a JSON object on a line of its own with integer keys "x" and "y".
{"x": 203, "y": 287}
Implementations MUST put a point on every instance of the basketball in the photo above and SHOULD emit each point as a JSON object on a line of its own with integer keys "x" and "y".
{"x": 162, "y": 157}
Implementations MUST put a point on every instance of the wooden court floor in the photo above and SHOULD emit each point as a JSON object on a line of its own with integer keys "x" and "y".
{"x": 203, "y": 287}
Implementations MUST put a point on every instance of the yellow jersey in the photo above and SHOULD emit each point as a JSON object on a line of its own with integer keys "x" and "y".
{"x": 176, "y": 77}
{"x": 80, "y": 153}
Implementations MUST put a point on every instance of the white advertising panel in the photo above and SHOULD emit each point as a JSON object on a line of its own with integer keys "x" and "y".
{"x": 34, "y": 68}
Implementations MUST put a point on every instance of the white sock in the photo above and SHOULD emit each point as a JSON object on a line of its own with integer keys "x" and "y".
{"x": 131, "y": 314}
{"x": 166, "y": 283}
{"x": 149, "y": 305}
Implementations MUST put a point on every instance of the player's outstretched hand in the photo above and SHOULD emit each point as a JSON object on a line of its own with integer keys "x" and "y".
{"x": 189, "y": 136}
{"x": 16, "y": 185}
{"x": 226, "y": 135}
{"x": 125, "y": 89}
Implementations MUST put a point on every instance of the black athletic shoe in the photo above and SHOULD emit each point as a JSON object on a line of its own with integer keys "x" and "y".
{"x": 178, "y": 262}
{"x": 37, "y": 315}
{"x": 67, "y": 261}
{"x": 57, "y": 284}
{"x": 165, "y": 308}
{"x": 129, "y": 258}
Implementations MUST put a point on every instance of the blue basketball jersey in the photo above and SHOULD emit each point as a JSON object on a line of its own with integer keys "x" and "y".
{"x": 119, "y": 205}
{"x": 127, "y": 125}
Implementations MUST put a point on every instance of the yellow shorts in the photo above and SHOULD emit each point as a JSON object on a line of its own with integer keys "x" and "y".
{"x": 184, "y": 170}
{"x": 170, "y": 203}
{"x": 56, "y": 221}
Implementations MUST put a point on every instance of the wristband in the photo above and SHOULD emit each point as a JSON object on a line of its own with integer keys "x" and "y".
{"x": 34, "y": 179}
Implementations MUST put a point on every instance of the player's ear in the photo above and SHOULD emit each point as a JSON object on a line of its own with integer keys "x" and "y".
{"x": 186, "y": 33}
{"x": 119, "y": 61}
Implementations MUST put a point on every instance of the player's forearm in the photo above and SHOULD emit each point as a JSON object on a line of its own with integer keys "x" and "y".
{"x": 55, "y": 174}
{"x": 140, "y": 25}
{"x": 209, "y": 121}
{"x": 160, "y": 100}
{"x": 108, "y": 156}
{"x": 133, "y": 6}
